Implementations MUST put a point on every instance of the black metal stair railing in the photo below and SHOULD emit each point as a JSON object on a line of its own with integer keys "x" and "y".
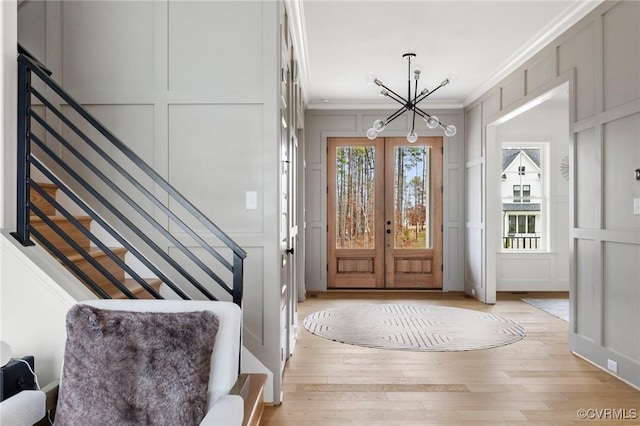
{"x": 79, "y": 155}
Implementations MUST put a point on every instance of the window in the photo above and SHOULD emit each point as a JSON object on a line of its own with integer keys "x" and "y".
{"x": 531, "y": 224}
{"x": 522, "y": 224}
{"x": 524, "y": 198}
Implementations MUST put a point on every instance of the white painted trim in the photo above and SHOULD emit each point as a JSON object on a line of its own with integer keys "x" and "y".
{"x": 362, "y": 104}
{"x": 299, "y": 38}
{"x": 577, "y": 10}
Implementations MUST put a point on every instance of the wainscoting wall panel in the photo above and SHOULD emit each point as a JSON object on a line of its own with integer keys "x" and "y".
{"x": 595, "y": 57}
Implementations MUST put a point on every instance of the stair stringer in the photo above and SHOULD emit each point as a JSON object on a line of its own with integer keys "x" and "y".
{"x": 251, "y": 364}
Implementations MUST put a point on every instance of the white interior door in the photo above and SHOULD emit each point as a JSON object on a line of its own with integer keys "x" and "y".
{"x": 292, "y": 249}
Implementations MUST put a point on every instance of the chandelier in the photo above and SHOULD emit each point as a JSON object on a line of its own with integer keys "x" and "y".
{"x": 410, "y": 104}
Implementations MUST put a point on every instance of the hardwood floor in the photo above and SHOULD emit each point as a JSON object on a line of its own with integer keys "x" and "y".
{"x": 533, "y": 381}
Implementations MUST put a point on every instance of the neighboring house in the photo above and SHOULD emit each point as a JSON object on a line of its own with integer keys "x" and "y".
{"x": 522, "y": 192}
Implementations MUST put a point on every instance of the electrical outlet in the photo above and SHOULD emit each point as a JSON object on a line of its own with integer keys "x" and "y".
{"x": 612, "y": 366}
{"x": 473, "y": 291}
{"x": 636, "y": 206}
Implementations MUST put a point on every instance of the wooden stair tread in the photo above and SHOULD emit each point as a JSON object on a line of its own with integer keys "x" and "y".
{"x": 96, "y": 253}
{"x": 38, "y": 201}
{"x": 83, "y": 241}
{"x": 47, "y": 185}
{"x": 68, "y": 228}
{"x": 58, "y": 219}
{"x": 134, "y": 287}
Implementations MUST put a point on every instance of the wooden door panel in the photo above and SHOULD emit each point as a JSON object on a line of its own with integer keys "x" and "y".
{"x": 370, "y": 242}
{"x": 351, "y": 265}
{"x": 413, "y": 213}
{"x": 355, "y": 181}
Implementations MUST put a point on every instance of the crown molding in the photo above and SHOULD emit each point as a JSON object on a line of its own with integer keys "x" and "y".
{"x": 299, "y": 37}
{"x": 365, "y": 104}
{"x": 577, "y": 10}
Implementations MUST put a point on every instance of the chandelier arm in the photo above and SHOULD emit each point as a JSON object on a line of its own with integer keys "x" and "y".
{"x": 413, "y": 122}
{"x": 401, "y": 101}
{"x": 424, "y": 114}
{"x": 423, "y": 97}
{"x": 398, "y": 98}
{"x": 420, "y": 112}
{"x": 420, "y": 99}
{"x": 395, "y": 115}
{"x": 413, "y": 105}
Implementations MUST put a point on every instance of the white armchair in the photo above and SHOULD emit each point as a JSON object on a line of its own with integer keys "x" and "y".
{"x": 23, "y": 409}
{"x": 223, "y": 408}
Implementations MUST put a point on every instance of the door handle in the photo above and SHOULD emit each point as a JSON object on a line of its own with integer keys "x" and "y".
{"x": 290, "y": 250}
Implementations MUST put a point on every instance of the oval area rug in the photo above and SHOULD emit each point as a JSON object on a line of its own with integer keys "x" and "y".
{"x": 418, "y": 327}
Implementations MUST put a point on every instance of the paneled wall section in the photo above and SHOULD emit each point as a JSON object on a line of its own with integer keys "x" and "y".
{"x": 193, "y": 88}
{"x": 599, "y": 57}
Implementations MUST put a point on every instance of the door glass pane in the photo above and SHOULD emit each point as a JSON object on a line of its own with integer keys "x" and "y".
{"x": 412, "y": 197}
{"x": 355, "y": 199}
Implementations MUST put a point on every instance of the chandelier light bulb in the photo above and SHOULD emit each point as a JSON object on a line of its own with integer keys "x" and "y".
{"x": 432, "y": 122}
{"x": 412, "y": 137}
{"x": 370, "y": 78}
{"x": 452, "y": 77}
{"x": 450, "y": 130}
{"x": 372, "y": 134}
{"x": 416, "y": 69}
{"x": 378, "y": 125}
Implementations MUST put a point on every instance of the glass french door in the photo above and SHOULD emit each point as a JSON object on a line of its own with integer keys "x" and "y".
{"x": 384, "y": 213}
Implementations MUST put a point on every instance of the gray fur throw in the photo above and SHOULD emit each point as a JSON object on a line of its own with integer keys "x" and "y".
{"x": 135, "y": 368}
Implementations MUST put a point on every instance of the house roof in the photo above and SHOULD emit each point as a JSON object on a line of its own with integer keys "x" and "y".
{"x": 520, "y": 207}
{"x": 510, "y": 154}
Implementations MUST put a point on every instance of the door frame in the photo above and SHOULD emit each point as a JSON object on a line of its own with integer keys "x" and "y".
{"x": 383, "y": 259}
{"x": 491, "y": 175}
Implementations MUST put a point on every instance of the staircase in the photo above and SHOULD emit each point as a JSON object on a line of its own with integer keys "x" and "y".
{"x": 83, "y": 241}
{"x": 135, "y": 232}
{"x": 152, "y": 225}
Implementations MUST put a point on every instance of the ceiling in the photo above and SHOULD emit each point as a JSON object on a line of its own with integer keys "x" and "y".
{"x": 341, "y": 42}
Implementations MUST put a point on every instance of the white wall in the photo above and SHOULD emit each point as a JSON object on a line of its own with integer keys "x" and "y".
{"x": 8, "y": 100}
{"x": 549, "y": 270}
{"x": 321, "y": 124}
{"x": 36, "y": 295}
{"x": 598, "y": 57}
